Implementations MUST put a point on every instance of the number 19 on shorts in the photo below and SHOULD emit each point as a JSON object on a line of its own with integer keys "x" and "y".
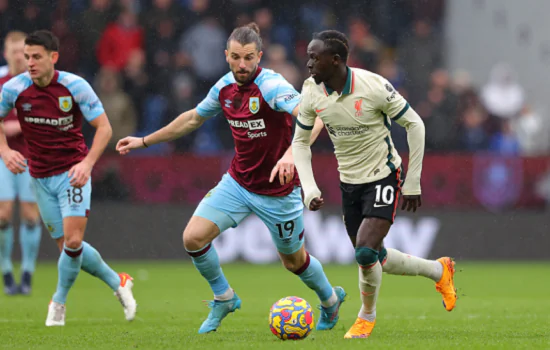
{"x": 286, "y": 228}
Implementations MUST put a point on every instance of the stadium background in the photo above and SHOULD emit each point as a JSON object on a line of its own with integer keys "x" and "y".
{"x": 481, "y": 89}
{"x": 477, "y": 72}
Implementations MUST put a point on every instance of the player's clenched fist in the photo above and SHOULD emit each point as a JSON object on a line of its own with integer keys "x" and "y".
{"x": 14, "y": 161}
{"x": 129, "y": 143}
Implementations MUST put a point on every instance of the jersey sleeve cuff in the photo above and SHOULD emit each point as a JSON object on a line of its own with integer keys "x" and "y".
{"x": 305, "y": 127}
{"x": 95, "y": 115}
{"x": 402, "y": 112}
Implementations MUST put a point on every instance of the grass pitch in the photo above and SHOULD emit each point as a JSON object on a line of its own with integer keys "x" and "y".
{"x": 501, "y": 306}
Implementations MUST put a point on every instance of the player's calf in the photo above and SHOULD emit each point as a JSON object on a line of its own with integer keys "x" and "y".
{"x": 29, "y": 238}
{"x": 310, "y": 271}
{"x": 6, "y": 247}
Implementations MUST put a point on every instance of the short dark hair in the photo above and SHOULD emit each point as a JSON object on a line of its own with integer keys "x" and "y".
{"x": 247, "y": 34}
{"x": 43, "y": 38}
{"x": 335, "y": 42}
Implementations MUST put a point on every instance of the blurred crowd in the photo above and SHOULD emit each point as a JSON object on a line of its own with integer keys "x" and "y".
{"x": 150, "y": 60}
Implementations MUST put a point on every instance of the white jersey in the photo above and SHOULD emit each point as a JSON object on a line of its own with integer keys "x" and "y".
{"x": 358, "y": 121}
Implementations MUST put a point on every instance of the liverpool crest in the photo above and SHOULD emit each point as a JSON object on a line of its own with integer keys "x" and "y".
{"x": 254, "y": 104}
{"x": 65, "y": 103}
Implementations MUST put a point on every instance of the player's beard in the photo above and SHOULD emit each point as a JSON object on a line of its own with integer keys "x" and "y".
{"x": 243, "y": 77}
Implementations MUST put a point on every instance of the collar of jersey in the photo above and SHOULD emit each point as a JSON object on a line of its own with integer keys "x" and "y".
{"x": 348, "y": 87}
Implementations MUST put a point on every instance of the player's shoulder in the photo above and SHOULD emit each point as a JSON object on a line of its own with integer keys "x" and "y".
{"x": 68, "y": 79}
{"x": 227, "y": 79}
{"x": 17, "y": 84}
{"x": 268, "y": 75}
{"x": 367, "y": 80}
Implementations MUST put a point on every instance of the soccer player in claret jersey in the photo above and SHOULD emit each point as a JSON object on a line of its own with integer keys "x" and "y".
{"x": 14, "y": 186}
{"x": 357, "y": 108}
{"x": 51, "y": 106}
{"x": 258, "y": 105}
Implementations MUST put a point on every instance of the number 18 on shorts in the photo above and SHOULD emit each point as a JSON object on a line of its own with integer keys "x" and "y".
{"x": 57, "y": 199}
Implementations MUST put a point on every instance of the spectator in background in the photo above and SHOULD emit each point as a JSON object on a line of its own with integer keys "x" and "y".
{"x": 439, "y": 113}
{"x": 161, "y": 53}
{"x": 504, "y": 142}
{"x": 473, "y": 135}
{"x": 162, "y": 10}
{"x": 119, "y": 40}
{"x": 118, "y": 105}
{"x": 69, "y": 56}
{"x": 419, "y": 55}
{"x": 91, "y": 25}
{"x": 33, "y": 17}
{"x": 503, "y": 96}
{"x": 8, "y": 18}
{"x": 276, "y": 59}
{"x": 532, "y": 132}
{"x": 364, "y": 46}
{"x": 136, "y": 81}
{"x": 200, "y": 49}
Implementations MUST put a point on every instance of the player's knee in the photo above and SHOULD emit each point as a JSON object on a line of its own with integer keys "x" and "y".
{"x": 4, "y": 223}
{"x": 73, "y": 242}
{"x": 366, "y": 256}
{"x": 193, "y": 239}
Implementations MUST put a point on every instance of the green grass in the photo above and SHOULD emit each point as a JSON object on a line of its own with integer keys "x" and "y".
{"x": 501, "y": 306}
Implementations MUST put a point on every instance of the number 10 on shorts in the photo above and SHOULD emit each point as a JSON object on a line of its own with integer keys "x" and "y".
{"x": 384, "y": 195}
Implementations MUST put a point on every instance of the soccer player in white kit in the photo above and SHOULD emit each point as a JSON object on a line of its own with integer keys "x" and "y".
{"x": 357, "y": 108}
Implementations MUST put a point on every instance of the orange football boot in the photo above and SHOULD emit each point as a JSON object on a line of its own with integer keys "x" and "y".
{"x": 446, "y": 285}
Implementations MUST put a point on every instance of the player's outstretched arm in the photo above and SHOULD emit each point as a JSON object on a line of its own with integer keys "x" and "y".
{"x": 81, "y": 172}
{"x": 184, "y": 124}
{"x": 14, "y": 160}
{"x": 414, "y": 125}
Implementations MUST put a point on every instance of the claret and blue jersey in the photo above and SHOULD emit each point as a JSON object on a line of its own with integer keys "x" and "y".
{"x": 260, "y": 116}
{"x": 51, "y": 119}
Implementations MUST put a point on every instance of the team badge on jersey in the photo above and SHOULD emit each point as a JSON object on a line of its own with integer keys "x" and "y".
{"x": 65, "y": 103}
{"x": 254, "y": 104}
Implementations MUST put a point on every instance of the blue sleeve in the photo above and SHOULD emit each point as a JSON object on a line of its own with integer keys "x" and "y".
{"x": 7, "y": 101}
{"x": 86, "y": 98}
{"x": 210, "y": 106}
{"x": 278, "y": 93}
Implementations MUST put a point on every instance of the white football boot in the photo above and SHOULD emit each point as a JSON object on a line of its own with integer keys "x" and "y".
{"x": 56, "y": 314}
{"x": 126, "y": 297}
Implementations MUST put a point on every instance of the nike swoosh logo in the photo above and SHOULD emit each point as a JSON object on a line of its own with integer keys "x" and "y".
{"x": 319, "y": 110}
{"x": 380, "y": 205}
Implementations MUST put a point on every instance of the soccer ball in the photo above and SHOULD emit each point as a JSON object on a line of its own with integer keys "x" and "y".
{"x": 291, "y": 318}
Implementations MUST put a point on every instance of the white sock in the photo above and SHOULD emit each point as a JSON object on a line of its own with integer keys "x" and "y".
{"x": 370, "y": 280}
{"x": 330, "y": 301}
{"x": 366, "y": 316}
{"x": 227, "y": 295}
{"x": 398, "y": 263}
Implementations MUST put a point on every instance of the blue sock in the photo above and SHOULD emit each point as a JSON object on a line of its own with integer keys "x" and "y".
{"x": 6, "y": 246}
{"x": 68, "y": 268}
{"x": 207, "y": 262}
{"x": 93, "y": 264}
{"x": 29, "y": 238}
{"x": 312, "y": 274}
